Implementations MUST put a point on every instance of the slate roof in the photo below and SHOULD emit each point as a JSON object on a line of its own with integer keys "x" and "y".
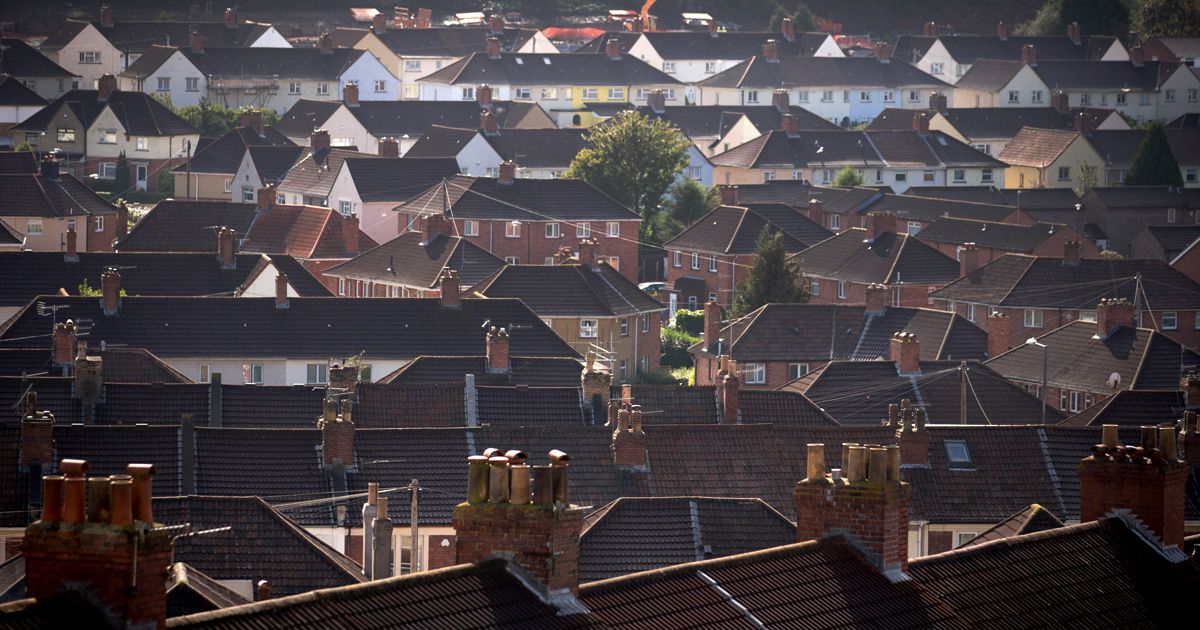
{"x": 571, "y": 290}
{"x": 109, "y": 449}
{"x": 466, "y": 197}
{"x": 302, "y": 231}
{"x": 994, "y": 74}
{"x": 17, "y": 162}
{"x": 224, "y": 155}
{"x": 675, "y": 404}
{"x": 730, "y": 45}
{"x": 317, "y": 327}
{"x": 883, "y": 149}
{"x": 522, "y": 405}
{"x": 259, "y": 63}
{"x": 273, "y": 162}
{"x": 640, "y": 534}
{"x": 23, "y": 61}
{"x": 1005, "y": 122}
{"x": 1140, "y": 197}
{"x": 1038, "y": 281}
{"x": 135, "y": 36}
{"x": 549, "y": 69}
{"x": 174, "y": 225}
{"x": 1005, "y": 236}
{"x": 190, "y": 591}
{"x": 735, "y": 229}
{"x": 10, "y": 236}
{"x": 816, "y": 72}
{"x": 889, "y": 258}
{"x": 969, "y": 49}
{"x": 1132, "y": 408}
{"x": 314, "y": 173}
{"x": 532, "y": 148}
{"x": 1174, "y": 238}
{"x": 781, "y": 407}
{"x": 1031, "y": 520}
{"x": 411, "y": 118}
{"x": 989, "y": 74}
{"x": 450, "y": 41}
{"x": 531, "y": 371}
{"x": 1119, "y": 147}
{"x": 138, "y": 113}
{"x": 121, "y": 365}
{"x": 408, "y": 260}
{"x": 34, "y": 195}
{"x": 1032, "y": 200}
{"x": 705, "y": 121}
{"x": 305, "y": 116}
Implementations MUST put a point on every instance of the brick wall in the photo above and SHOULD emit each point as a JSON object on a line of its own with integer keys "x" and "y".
{"x": 543, "y": 539}
{"x": 911, "y": 295}
{"x": 874, "y": 513}
{"x": 442, "y": 550}
{"x": 731, "y": 270}
{"x": 1185, "y": 332}
{"x": 1154, "y": 492}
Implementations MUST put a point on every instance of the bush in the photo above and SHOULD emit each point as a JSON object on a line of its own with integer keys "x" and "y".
{"x": 690, "y": 322}
{"x": 675, "y": 344}
{"x": 166, "y": 182}
{"x": 657, "y": 377}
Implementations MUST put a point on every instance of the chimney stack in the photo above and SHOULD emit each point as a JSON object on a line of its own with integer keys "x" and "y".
{"x": 483, "y": 95}
{"x": 496, "y": 24}
{"x": 1148, "y": 480}
{"x": 262, "y": 591}
{"x": 114, "y": 554}
{"x": 424, "y": 18}
{"x": 337, "y": 435}
{"x": 930, "y": 29}
{"x": 122, "y": 219}
{"x": 493, "y": 47}
{"x": 389, "y": 147}
{"x": 350, "y": 235}
{"x": 790, "y": 125}
{"x": 508, "y": 173}
{"x": 65, "y": 339}
{"x": 612, "y": 48}
{"x": 1029, "y": 55}
{"x": 628, "y": 438}
{"x": 866, "y": 501}
{"x": 770, "y": 51}
{"x": 729, "y": 195}
{"x": 1137, "y": 56}
{"x": 587, "y": 253}
{"x": 382, "y": 555}
{"x": 906, "y": 353}
{"x": 196, "y": 42}
{"x": 538, "y": 529}
{"x": 730, "y": 387}
{"x": 657, "y": 101}
{"x": 880, "y": 223}
{"x": 265, "y": 197}
{"x": 226, "y": 248}
{"x": 787, "y": 29}
{"x": 252, "y": 120}
{"x": 105, "y": 86}
{"x": 920, "y": 122}
{"x": 400, "y": 19}
{"x": 106, "y": 18}
{"x": 877, "y": 298}
{"x": 488, "y": 123}
{"x": 997, "y": 338}
{"x": 318, "y": 141}
{"x": 1082, "y": 123}
{"x": 436, "y": 224}
{"x": 369, "y": 509}
{"x": 326, "y": 43}
{"x": 110, "y": 291}
{"x": 712, "y": 325}
{"x": 1002, "y": 31}
{"x": 1060, "y": 102}
{"x": 37, "y": 437}
{"x": 781, "y": 101}
{"x": 343, "y": 377}
{"x": 1071, "y": 252}
{"x": 968, "y": 259}
{"x": 816, "y": 211}
{"x": 49, "y": 167}
{"x": 1190, "y": 384}
{"x": 908, "y": 422}
{"x": 231, "y": 18}
{"x": 71, "y": 253}
{"x": 450, "y": 288}
{"x": 1074, "y": 34}
{"x": 497, "y": 350}
{"x": 1111, "y": 313}
{"x": 281, "y": 290}
{"x": 883, "y": 53}
{"x": 350, "y": 94}
{"x": 89, "y": 377}
{"x": 379, "y": 23}
{"x": 938, "y": 103}
{"x": 713, "y": 30}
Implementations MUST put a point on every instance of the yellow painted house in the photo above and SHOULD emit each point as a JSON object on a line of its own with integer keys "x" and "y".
{"x": 1049, "y": 158}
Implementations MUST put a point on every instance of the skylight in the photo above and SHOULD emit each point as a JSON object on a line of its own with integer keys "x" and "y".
{"x": 520, "y": 61}
{"x": 958, "y": 453}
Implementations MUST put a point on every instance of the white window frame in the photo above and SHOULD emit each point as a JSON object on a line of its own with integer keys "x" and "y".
{"x": 695, "y": 261}
{"x": 712, "y": 263}
{"x": 346, "y": 207}
{"x": 108, "y": 170}
{"x": 108, "y": 136}
{"x": 228, "y": 183}
{"x": 294, "y": 88}
{"x": 624, "y": 326}
{"x": 512, "y": 229}
{"x": 35, "y": 227}
{"x": 960, "y": 175}
{"x": 522, "y": 93}
{"x": 1014, "y": 96}
{"x": 191, "y": 84}
{"x": 985, "y": 175}
{"x": 814, "y": 287}
{"x": 553, "y": 230}
{"x": 1034, "y": 318}
{"x": 841, "y": 290}
{"x": 613, "y": 229}
{"x": 163, "y": 84}
{"x": 754, "y": 373}
{"x": 936, "y": 68}
{"x": 205, "y": 373}
{"x": 316, "y": 374}
{"x": 470, "y": 228}
{"x": 252, "y": 373}
{"x": 1170, "y": 320}
{"x": 100, "y": 223}
{"x": 616, "y": 93}
{"x": 589, "y": 328}
{"x": 1037, "y": 96}
{"x": 89, "y": 57}
{"x": 379, "y": 86}
{"x": 65, "y": 134}
{"x": 797, "y": 370}
{"x": 970, "y": 312}
{"x": 751, "y": 96}
{"x": 676, "y": 259}
{"x": 583, "y": 230}
{"x": 141, "y": 144}
{"x": 322, "y": 89}
{"x": 710, "y": 67}
{"x": 591, "y": 94}
{"x": 1170, "y": 215}
{"x": 645, "y": 319}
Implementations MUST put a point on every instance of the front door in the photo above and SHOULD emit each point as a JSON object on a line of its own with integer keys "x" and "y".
{"x": 140, "y": 180}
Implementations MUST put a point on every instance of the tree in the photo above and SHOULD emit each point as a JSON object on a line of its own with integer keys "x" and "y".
{"x": 633, "y": 159}
{"x": 772, "y": 279}
{"x": 1165, "y": 18}
{"x": 802, "y": 19}
{"x": 848, "y": 178}
{"x": 1086, "y": 180}
{"x": 1095, "y": 17}
{"x": 687, "y": 201}
{"x": 1154, "y": 164}
{"x": 121, "y": 180}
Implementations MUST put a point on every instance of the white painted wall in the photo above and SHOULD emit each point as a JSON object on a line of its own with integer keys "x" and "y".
{"x": 112, "y": 61}
{"x": 367, "y": 71}
{"x": 271, "y": 38}
{"x": 859, "y": 103}
{"x": 477, "y": 156}
{"x": 263, "y": 285}
{"x": 276, "y": 371}
{"x": 247, "y": 175}
{"x": 177, "y": 68}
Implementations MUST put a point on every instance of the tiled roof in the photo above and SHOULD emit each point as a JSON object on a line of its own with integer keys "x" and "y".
{"x": 735, "y": 229}
{"x": 303, "y": 231}
{"x": 450, "y": 41}
{"x": 1140, "y": 197}
{"x": 299, "y": 277}
{"x": 138, "y": 113}
{"x": 883, "y": 149}
{"x": 1005, "y": 122}
{"x": 1037, "y": 147}
{"x": 391, "y": 405}
{"x": 409, "y": 260}
{"x": 1119, "y": 147}
{"x": 24, "y": 62}
{"x": 1106, "y": 75}
{"x": 1006, "y": 236}
{"x": 1174, "y": 238}
{"x": 1031, "y": 199}
{"x": 397, "y": 179}
{"x": 187, "y": 226}
{"x": 570, "y": 290}
{"x": 16, "y": 162}
{"x": 524, "y": 405}
{"x": 14, "y": 483}
{"x": 968, "y": 49}
{"x": 305, "y": 116}
{"x": 703, "y": 121}
{"x": 310, "y": 327}
{"x": 792, "y": 72}
{"x": 224, "y": 155}
{"x": 273, "y": 162}
{"x": 121, "y": 365}
{"x": 271, "y": 407}
{"x": 135, "y": 36}
{"x": 157, "y": 404}
{"x": 640, "y": 534}
{"x": 466, "y": 197}
{"x": 1031, "y": 520}
{"x": 989, "y": 74}
{"x": 286, "y": 465}
{"x": 33, "y": 195}
{"x": 781, "y": 407}
{"x": 889, "y": 258}
{"x": 218, "y": 63}
{"x": 531, "y": 371}
{"x": 54, "y": 394}
{"x": 314, "y": 173}
{"x": 190, "y": 591}
{"x": 411, "y": 118}
{"x": 109, "y": 449}
{"x": 1132, "y": 408}
{"x": 528, "y": 148}
{"x": 9, "y": 235}
{"x": 675, "y": 404}
{"x": 550, "y": 69}
{"x": 730, "y": 45}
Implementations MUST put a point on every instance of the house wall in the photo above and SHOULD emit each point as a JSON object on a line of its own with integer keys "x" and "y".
{"x": 276, "y": 370}
{"x": 50, "y": 88}
{"x": 731, "y": 274}
{"x": 112, "y": 61}
{"x": 367, "y": 70}
{"x": 271, "y": 38}
{"x": 566, "y": 103}
{"x": 1026, "y": 83}
{"x": 898, "y": 179}
{"x": 907, "y": 295}
{"x": 54, "y": 231}
{"x": 247, "y": 175}
{"x": 17, "y": 113}
{"x": 478, "y": 158}
{"x": 1080, "y": 151}
{"x": 847, "y": 101}
{"x": 1052, "y": 247}
{"x": 1180, "y": 81}
{"x": 630, "y": 348}
{"x": 777, "y": 372}
{"x": 263, "y": 285}
{"x": 178, "y": 69}
{"x": 206, "y": 186}
{"x": 951, "y": 70}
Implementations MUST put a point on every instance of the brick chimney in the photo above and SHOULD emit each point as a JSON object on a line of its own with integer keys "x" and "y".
{"x": 1190, "y": 384}
{"x": 252, "y": 120}
{"x": 71, "y": 246}
{"x": 401, "y": 18}
{"x": 770, "y": 51}
{"x": 350, "y": 94}
{"x": 1060, "y": 102}
{"x": 1002, "y": 31}
{"x": 89, "y": 376}
{"x": 730, "y": 388}
{"x": 879, "y": 223}
{"x": 1071, "y": 251}
{"x": 318, "y": 141}
{"x": 920, "y": 122}
{"x": 343, "y": 377}
{"x": 612, "y": 48}
{"x": 1148, "y": 480}
{"x": 122, "y": 219}
{"x": 883, "y": 53}
{"x": 998, "y": 332}
{"x": 906, "y": 353}
{"x": 930, "y": 29}
{"x": 196, "y": 42}
{"x": 628, "y": 438}
{"x": 790, "y": 125}
{"x": 1074, "y": 34}
{"x": 106, "y": 18}
{"x": 1029, "y": 55}
{"x": 37, "y": 438}
{"x": 587, "y": 253}
{"x": 865, "y": 500}
{"x": 325, "y": 41}
{"x": 508, "y": 173}
{"x": 908, "y": 423}
{"x": 781, "y": 101}
{"x": 483, "y": 95}
{"x": 712, "y": 325}
{"x": 496, "y": 24}
{"x": 968, "y": 259}
{"x": 110, "y": 291}
{"x": 729, "y": 195}
{"x": 231, "y": 18}
{"x": 713, "y": 28}
{"x": 436, "y": 224}
{"x": 379, "y": 23}
{"x": 488, "y": 123}
{"x": 226, "y": 248}
{"x": 424, "y": 18}
{"x": 389, "y": 147}
{"x": 1191, "y": 432}
{"x": 493, "y": 47}
{"x": 523, "y": 512}
{"x": 105, "y": 86}
{"x": 65, "y": 338}
{"x": 1082, "y": 123}
{"x": 787, "y": 29}
{"x": 265, "y": 197}
{"x": 49, "y": 167}
{"x": 350, "y": 233}
{"x": 337, "y": 434}
{"x": 1137, "y": 56}
{"x": 877, "y": 298}
{"x": 112, "y": 556}
{"x": 657, "y": 101}
{"x": 937, "y": 102}
{"x": 281, "y": 291}
{"x": 1111, "y": 313}
{"x": 497, "y": 350}
{"x": 450, "y": 288}
{"x": 816, "y": 211}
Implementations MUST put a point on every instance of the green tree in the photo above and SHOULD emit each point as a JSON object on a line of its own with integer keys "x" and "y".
{"x": 772, "y": 279}
{"x": 1086, "y": 180}
{"x": 121, "y": 180}
{"x": 86, "y": 290}
{"x": 1165, "y": 18}
{"x": 633, "y": 159}
{"x": 1154, "y": 164}
{"x": 686, "y": 202}
{"x": 802, "y": 18}
{"x": 24, "y": 146}
{"x": 1095, "y": 17}
{"x": 848, "y": 178}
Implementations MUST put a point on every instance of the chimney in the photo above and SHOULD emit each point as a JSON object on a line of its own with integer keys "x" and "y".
{"x": 657, "y": 101}
{"x": 790, "y": 125}
{"x": 508, "y": 173}
{"x": 106, "y": 19}
{"x": 1137, "y": 56}
{"x": 877, "y": 298}
{"x": 252, "y": 120}
{"x": 997, "y": 334}
{"x": 587, "y": 253}
{"x": 281, "y": 290}
{"x": 781, "y": 101}
{"x": 49, "y": 167}
{"x": 318, "y": 141}
{"x": 1071, "y": 250}
{"x": 350, "y": 235}
{"x": 379, "y": 23}
{"x": 1029, "y": 55}
{"x": 493, "y": 47}
{"x": 597, "y": 386}
{"x": 1111, "y": 313}
{"x": 880, "y": 223}
{"x": 1190, "y": 384}
{"x": 816, "y": 211}
{"x": 231, "y": 18}
{"x": 906, "y": 353}
{"x": 326, "y": 43}
{"x": 628, "y": 438}
{"x": 71, "y": 253}
{"x": 226, "y": 248}
{"x": 343, "y": 377}
{"x": 538, "y": 529}
{"x": 400, "y": 19}
{"x": 930, "y": 29}
{"x": 865, "y": 500}
{"x": 110, "y": 291}
{"x": 770, "y": 51}
{"x": 939, "y": 103}
{"x": 122, "y": 219}
{"x": 262, "y": 591}
{"x": 713, "y": 29}
{"x": 424, "y": 18}
{"x": 730, "y": 388}
{"x": 487, "y": 123}
{"x": 787, "y": 29}
{"x": 883, "y": 53}
{"x": 350, "y": 94}
{"x": 389, "y": 147}
{"x": 196, "y": 42}
{"x": 612, "y": 48}
{"x": 369, "y": 509}
{"x": 1082, "y": 124}
{"x": 968, "y": 259}
{"x": 450, "y": 288}
{"x": 497, "y": 350}
{"x": 337, "y": 435}
{"x": 1060, "y": 102}
{"x": 382, "y": 554}
{"x": 712, "y": 326}
{"x": 113, "y": 556}
{"x": 89, "y": 377}
{"x": 729, "y": 195}
{"x": 1074, "y": 34}
{"x": 920, "y": 122}
{"x": 496, "y": 24}
{"x": 1148, "y": 480}
{"x": 1191, "y": 428}
{"x": 435, "y": 224}
{"x": 1002, "y": 31}
{"x": 908, "y": 422}
{"x": 265, "y": 197}
{"x": 483, "y": 95}
{"x": 65, "y": 337}
{"x": 105, "y": 86}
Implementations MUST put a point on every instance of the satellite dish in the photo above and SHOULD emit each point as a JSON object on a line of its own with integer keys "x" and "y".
{"x": 1114, "y": 380}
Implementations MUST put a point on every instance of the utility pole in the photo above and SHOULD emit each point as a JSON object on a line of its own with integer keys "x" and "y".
{"x": 415, "y": 558}
{"x": 962, "y": 392}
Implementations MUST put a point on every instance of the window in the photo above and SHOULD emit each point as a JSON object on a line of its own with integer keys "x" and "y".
{"x": 1169, "y": 96}
{"x": 695, "y": 261}
{"x": 66, "y": 134}
{"x": 935, "y": 68}
{"x": 346, "y": 207}
{"x": 878, "y": 176}
{"x": 1064, "y": 173}
{"x": 141, "y": 144}
{"x": 963, "y": 538}
{"x": 1104, "y": 99}
{"x": 613, "y": 229}
{"x": 252, "y": 373}
{"x": 614, "y": 262}
{"x": 693, "y": 172}
{"x": 280, "y": 198}
{"x": 1190, "y": 176}
{"x": 491, "y": 171}
{"x": 1033, "y": 318}
{"x": 108, "y": 136}
{"x": 712, "y": 296}
{"x": 89, "y": 57}
{"x": 1193, "y": 95}
{"x": 1014, "y": 96}
{"x": 512, "y": 260}
{"x": 841, "y": 289}
{"x": 1085, "y": 99}
{"x": 645, "y": 319}
{"x": 192, "y": 84}
{"x": 248, "y": 193}
{"x": 228, "y": 181}
{"x": 960, "y": 176}
{"x": 322, "y": 89}
{"x": 927, "y": 176}
{"x": 1037, "y": 96}
{"x": 549, "y": 93}
{"x": 957, "y": 453}
{"x": 668, "y": 66}
{"x": 588, "y": 328}
{"x": 845, "y": 96}
{"x": 548, "y": 261}
{"x": 692, "y": 307}
{"x": 864, "y": 97}
{"x": 901, "y": 177}
{"x": 624, "y": 371}
{"x": 512, "y": 229}
{"x": 827, "y": 96}
{"x": 889, "y": 96}
{"x": 99, "y": 223}
{"x": 1144, "y": 98}
{"x": 380, "y": 86}
{"x": 914, "y": 227}
{"x": 712, "y": 263}
{"x": 959, "y": 69}
{"x": 1087, "y": 316}
{"x": 985, "y": 175}
{"x": 985, "y": 149}
{"x": 318, "y": 374}
{"x": 1170, "y": 320}
{"x": 710, "y": 67}
{"x": 164, "y": 84}
{"x": 1170, "y": 215}
{"x": 34, "y": 227}
{"x": 523, "y": 93}
{"x": 756, "y": 373}
{"x": 1076, "y": 402}
{"x": 342, "y": 286}
{"x": 797, "y": 370}
{"x": 1121, "y": 98}
{"x": 914, "y": 96}
{"x": 751, "y": 96}
{"x": 552, "y": 230}
{"x": 412, "y": 65}
{"x": 205, "y": 374}
{"x": 616, "y": 94}
{"x": 644, "y": 362}
{"x": 814, "y": 288}
{"x": 108, "y": 170}
{"x": 590, "y": 94}
{"x": 675, "y": 259}
{"x": 835, "y": 221}
{"x": 624, "y": 326}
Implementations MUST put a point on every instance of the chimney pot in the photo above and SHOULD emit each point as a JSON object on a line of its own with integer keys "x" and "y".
{"x": 120, "y": 500}
{"x": 281, "y": 290}
{"x": 1082, "y": 123}
{"x": 106, "y": 16}
{"x": 790, "y": 124}
{"x": 1060, "y": 102}
{"x": 141, "y": 474}
{"x": 1071, "y": 252}
{"x": 52, "y": 498}
{"x": 488, "y": 123}
{"x": 781, "y": 101}
{"x": 49, "y": 167}
{"x": 65, "y": 339}
{"x": 816, "y": 461}
{"x": 920, "y": 122}
{"x": 262, "y": 591}
{"x": 498, "y": 484}
{"x": 906, "y": 353}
